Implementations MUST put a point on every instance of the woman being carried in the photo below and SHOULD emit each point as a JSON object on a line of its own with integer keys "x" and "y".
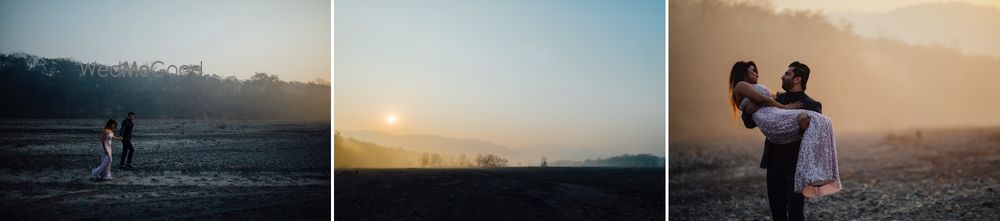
{"x": 817, "y": 172}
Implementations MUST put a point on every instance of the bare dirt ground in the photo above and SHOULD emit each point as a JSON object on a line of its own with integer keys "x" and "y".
{"x": 945, "y": 174}
{"x": 184, "y": 169}
{"x": 500, "y": 194}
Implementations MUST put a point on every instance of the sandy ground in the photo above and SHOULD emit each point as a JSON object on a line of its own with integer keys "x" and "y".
{"x": 185, "y": 169}
{"x": 500, "y": 194}
{"x": 942, "y": 175}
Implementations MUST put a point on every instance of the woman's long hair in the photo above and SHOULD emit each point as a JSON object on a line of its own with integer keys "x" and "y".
{"x": 739, "y": 73}
{"x": 111, "y": 124}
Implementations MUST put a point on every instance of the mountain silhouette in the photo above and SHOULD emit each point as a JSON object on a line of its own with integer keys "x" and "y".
{"x": 970, "y": 28}
{"x": 434, "y": 144}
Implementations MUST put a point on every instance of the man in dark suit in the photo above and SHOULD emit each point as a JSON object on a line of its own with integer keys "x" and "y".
{"x": 780, "y": 159}
{"x": 126, "y": 133}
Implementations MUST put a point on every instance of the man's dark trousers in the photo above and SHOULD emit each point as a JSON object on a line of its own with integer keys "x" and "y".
{"x": 127, "y": 152}
{"x": 780, "y": 160}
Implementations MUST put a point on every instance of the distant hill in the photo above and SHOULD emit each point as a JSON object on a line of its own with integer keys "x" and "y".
{"x": 968, "y": 27}
{"x": 527, "y": 155}
{"x": 435, "y": 144}
{"x": 353, "y": 153}
{"x": 555, "y": 152}
{"x": 368, "y": 145}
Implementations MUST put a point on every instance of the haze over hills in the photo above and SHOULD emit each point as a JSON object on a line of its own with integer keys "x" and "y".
{"x": 967, "y": 27}
{"x": 434, "y": 144}
{"x": 864, "y": 84}
{"x": 528, "y": 155}
{"x": 554, "y": 151}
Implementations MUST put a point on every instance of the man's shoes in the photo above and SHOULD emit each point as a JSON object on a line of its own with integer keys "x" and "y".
{"x": 129, "y": 166}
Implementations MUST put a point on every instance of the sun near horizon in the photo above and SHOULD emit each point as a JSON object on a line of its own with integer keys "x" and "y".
{"x": 390, "y": 119}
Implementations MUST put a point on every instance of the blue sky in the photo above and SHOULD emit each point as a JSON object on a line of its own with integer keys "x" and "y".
{"x": 232, "y": 38}
{"x": 579, "y": 73}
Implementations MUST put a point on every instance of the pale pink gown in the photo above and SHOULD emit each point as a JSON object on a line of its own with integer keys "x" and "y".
{"x": 104, "y": 170}
{"x": 817, "y": 172}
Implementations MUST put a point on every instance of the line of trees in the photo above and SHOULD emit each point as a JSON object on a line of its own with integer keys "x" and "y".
{"x": 431, "y": 160}
{"x": 626, "y": 160}
{"x": 36, "y": 87}
{"x": 353, "y": 153}
{"x": 481, "y": 160}
{"x": 490, "y": 161}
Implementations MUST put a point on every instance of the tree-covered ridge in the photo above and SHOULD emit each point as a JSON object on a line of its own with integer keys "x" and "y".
{"x": 37, "y": 87}
{"x": 624, "y": 160}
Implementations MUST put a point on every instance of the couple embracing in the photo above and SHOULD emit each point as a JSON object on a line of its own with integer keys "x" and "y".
{"x": 800, "y": 153}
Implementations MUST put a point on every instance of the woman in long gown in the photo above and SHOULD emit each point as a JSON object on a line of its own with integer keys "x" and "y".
{"x": 816, "y": 173}
{"x": 103, "y": 171}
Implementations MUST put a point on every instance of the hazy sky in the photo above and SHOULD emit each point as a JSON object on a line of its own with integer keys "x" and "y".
{"x": 578, "y": 73}
{"x": 865, "y": 5}
{"x": 968, "y": 25}
{"x": 290, "y": 39}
